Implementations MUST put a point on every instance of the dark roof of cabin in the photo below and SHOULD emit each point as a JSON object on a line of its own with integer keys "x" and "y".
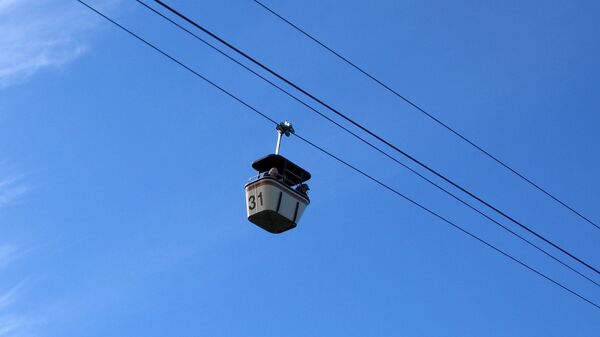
{"x": 298, "y": 174}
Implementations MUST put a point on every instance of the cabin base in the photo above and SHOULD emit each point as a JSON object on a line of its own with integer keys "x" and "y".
{"x": 271, "y": 221}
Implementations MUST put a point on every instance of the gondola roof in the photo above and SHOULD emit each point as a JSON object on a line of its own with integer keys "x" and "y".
{"x": 298, "y": 174}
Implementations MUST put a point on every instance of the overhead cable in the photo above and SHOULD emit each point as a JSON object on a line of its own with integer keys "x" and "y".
{"x": 371, "y": 133}
{"x": 396, "y": 161}
{"x": 263, "y": 115}
{"x": 428, "y": 114}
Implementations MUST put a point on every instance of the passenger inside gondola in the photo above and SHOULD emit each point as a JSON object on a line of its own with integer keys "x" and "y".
{"x": 303, "y": 188}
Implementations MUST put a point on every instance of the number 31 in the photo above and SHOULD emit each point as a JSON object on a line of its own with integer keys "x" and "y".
{"x": 252, "y": 202}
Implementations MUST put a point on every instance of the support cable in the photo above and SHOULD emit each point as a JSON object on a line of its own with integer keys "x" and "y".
{"x": 428, "y": 114}
{"x": 263, "y": 115}
{"x": 374, "y": 147}
{"x": 394, "y": 147}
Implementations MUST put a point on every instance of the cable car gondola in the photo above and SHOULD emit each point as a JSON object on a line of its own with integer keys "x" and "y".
{"x": 277, "y": 197}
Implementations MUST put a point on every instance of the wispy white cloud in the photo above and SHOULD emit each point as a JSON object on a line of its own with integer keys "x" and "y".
{"x": 11, "y": 189}
{"x": 13, "y": 324}
{"x": 7, "y": 4}
{"x": 8, "y": 253}
{"x": 38, "y": 34}
{"x": 7, "y": 297}
{"x": 34, "y": 35}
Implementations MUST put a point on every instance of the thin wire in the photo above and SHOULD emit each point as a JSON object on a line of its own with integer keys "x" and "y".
{"x": 417, "y": 107}
{"x": 394, "y": 147}
{"x": 337, "y": 158}
{"x": 180, "y": 63}
{"x": 367, "y": 142}
{"x": 438, "y": 216}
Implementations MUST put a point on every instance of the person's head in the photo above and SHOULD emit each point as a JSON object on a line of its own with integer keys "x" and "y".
{"x": 303, "y": 188}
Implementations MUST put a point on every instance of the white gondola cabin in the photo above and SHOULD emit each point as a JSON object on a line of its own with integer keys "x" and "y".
{"x": 277, "y": 197}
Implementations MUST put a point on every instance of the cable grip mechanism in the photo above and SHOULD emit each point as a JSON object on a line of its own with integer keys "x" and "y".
{"x": 283, "y": 128}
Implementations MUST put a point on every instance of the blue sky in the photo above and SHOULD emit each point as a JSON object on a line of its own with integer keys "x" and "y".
{"x": 121, "y": 174}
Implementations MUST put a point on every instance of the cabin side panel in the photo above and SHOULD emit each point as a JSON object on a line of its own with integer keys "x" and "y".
{"x": 269, "y": 195}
